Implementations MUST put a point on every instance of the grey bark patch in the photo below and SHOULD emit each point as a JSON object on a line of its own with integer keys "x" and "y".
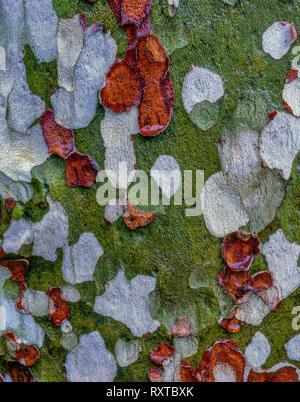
{"x": 71, "y": 294}
{"x": 205, "y": 115}
{"x": 280, "y": 143}
{"x": 261, "y": 190}
{"x": 240, "y": 159}
{"x": 282, "y": 258}
{"x": 291, "y": 95}
{"x": 69, "y": 341}
{"x": 9, "y": 188}
{"x": 222, "y": 209}
{"x": 167, "y": 175}
{"x": 253, "y": 311}
{"x": 80, "y": 260}
{"x": 11, "y": 319}
{"x": 26, "y": 22}
{"x": 127, "y": 301}
{"x": 20, "y": 153}
{"x": 127, "y": 352}
{"x": 90, "y": 361}
{"x": 113, "y": 211}
{"x": 293, "y": 348}
{"x": 120, "y": 160}
{"x": 41, "y": 22}
{"x": 47, "y": 235}
{"x": 76, "y": 109}
{"x": 23, "y": 107}
{"x": 186, "y": 346}
{"x": 252, "y": 112}
{"x": 69, "y": 45}
{"x": 52, "y": 232}
{"x": 37, "y": 302}
{"x": 66, "y": 327}
{"x": 258, "y": 350}
{"x": 265, "y": 198}
{"x": 201, "y": 84}
{"x": 276, "y": 40}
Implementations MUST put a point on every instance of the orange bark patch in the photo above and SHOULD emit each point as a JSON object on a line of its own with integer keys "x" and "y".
{"x": 81, "y": 170}
{"x": 18, "y": 269}
{"x": 292, "y": 75}
{"x": 284, "y": 374}
{"x": 9, "y": 204}
{"x": 187, "y": 373}
{"x": 155, "y": 374}
{"x": 59, "y": 140}
{"x": 238, "y": 250}
{"x": 237, "y": 284}
{"x": 225, "y": 352}
{"x": 232, "y": 324}
{"x": 2, "y": 253}
{"x": 134, "y": 11}
{"x": 162, "y": 353}
{"x": 58, "y": 309}
{"x": 135, "y": 218}
{"x": 27, "y": 355}
{"x": 12, "y": 337}
{"x": 181, "y": 327}
{"x": 122, "y": 89}
{"x": 155, "y": 112}
{"x": 287, "y": 107}
{"x": 18, "y": 372}
{"x": 142, "y": 78}
{"x": 272, "y": 115}
{"x": 152, "y": 59}
{"x": 261, "y": 281}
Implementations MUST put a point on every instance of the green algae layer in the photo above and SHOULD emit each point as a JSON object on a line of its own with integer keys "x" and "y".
{"x": 178, "y": 250}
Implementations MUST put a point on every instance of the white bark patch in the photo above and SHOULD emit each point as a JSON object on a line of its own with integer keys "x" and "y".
{"x": 277, "y": 39}
{"x": 90, "y": 361}
{"x": 291, "y": 95}
{"x": 293, "y": 348}
{"x": 47, "y": 235}
{"x": 117, "y": 130}
{"x": 127, "y": 301}
{"x": 167, "y": 175}
{"x": 201, "y": 84}
{"x": 222, "y": 209}
{"x": 69, "y": 45}
{"x": 280, "y": 143}
{"x": 282, "y": 258}
{"x": 77, "y": 109}
{"x": 80, "y": 260}
{"x": 258, "y": 350}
